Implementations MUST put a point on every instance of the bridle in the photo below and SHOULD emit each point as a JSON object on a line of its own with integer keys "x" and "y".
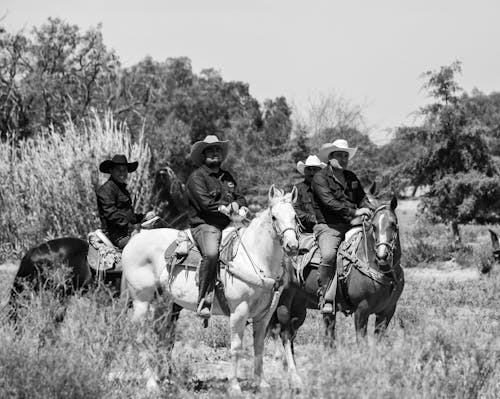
{"x": 281, "y": 233}
{"x": 390, "y": 245}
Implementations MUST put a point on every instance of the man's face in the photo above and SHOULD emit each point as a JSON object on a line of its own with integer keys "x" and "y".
{"x": 309, "y": 173}
{"x": 120, "y": 173}
{"x": 341, "y": 156}
{"x": 213, "y": 156}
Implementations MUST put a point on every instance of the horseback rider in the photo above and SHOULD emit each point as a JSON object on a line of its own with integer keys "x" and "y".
{"x": 339, "y": 198}
{"x": 114, "y": 202}
{"x": 213, "y": 196}
{"x": 304, "y": 206}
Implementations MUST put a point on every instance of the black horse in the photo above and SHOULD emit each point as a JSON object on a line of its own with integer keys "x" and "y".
{"x": 40, "y": 263}
{"x": 371, "y": 283}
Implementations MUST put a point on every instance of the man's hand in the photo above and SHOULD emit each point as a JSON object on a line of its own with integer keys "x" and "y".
{"x": 234, "y": 207}
{"x": 243, "y": 212}
{"x": 363, "y": 212}
{"x": 224, "y": 209}
{"x": 150, "y": 215}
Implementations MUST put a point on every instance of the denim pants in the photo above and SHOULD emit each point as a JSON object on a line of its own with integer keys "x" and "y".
{"x": 207, "y": 238}
{"x": 329, "y": 238}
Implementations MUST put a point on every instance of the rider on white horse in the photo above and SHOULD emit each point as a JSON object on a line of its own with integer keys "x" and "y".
{"x": 339, "y": 198}
{"x": 213, "y": 196}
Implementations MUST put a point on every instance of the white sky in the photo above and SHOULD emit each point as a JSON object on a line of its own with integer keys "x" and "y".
{"x": 372, "y": 52}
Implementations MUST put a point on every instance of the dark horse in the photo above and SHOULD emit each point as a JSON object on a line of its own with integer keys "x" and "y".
{"x": 39, "y": 263}
{"x": 371, "y": 283}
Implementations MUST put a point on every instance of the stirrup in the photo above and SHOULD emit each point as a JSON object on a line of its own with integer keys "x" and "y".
{"x": 327, "y": 308}
{"x": 203, "y": 311}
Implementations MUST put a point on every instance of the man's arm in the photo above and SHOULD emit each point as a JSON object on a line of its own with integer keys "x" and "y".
{"x": 333, "y": 200}
{"x": 306, "y": 218}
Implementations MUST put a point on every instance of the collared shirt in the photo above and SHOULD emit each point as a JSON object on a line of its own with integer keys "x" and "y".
{"x": 207, "y": 190}
{"x": 116, "y": 212}
{"x": 304, "y": 206}
{"x": 336, "y": 201}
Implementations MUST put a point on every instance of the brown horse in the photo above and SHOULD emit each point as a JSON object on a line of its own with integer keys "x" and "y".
{"x": 370, "y": 282}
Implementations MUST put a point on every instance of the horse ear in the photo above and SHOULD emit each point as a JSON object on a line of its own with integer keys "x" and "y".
{"x": 272, "y": 192}
{"x": 295, "y": 194}
{"x": 373, "y": 188}
{"x": 394, "y": 202}
{"x": 494, "y": 240}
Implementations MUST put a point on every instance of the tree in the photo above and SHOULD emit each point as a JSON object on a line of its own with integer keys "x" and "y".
{"x": 456, "y": 158}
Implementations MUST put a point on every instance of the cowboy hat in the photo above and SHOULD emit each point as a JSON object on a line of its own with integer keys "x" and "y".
{"x": 108, "y": 164}
{"x": 338, "y": 145}
{"x": 313, "y": 161}
{"x": 211, "y": 140}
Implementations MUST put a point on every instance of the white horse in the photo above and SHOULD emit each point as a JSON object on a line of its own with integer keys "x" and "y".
{"x": 252, "y": 285}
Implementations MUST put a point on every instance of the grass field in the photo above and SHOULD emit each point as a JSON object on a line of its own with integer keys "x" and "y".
{"x": 443, "y": 343}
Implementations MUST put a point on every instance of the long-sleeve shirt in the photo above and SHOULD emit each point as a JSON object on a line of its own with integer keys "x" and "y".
{"x": 304, "y": 206}
{"x": 114, "y": 205}
{"x": 207, "y": 190}
{"x": 337, "y": 198}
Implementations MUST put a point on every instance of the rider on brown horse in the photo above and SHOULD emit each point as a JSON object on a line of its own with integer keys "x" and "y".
{"x": 114, "y": 202}
{"x": 339, "y": 198}
{"x": 213, "y": 195}
{"x": 304, "y": 206}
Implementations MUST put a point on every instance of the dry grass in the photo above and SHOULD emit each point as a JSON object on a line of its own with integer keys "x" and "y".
{"x": 47, "y": 186}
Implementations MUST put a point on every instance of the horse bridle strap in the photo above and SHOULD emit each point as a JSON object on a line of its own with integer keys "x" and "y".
{"x": 280, "y": 233}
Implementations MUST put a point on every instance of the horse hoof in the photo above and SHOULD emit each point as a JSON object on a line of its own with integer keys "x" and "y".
{"x": 234, "y": 389}
{"x": 152, "y": 385}
{"x": 296, "y": 384}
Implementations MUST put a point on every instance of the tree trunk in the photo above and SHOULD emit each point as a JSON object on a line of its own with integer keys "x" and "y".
{"x": 456, "y": 233}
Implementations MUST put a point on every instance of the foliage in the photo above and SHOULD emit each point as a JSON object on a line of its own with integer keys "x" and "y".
{"x": 48, "y": 185}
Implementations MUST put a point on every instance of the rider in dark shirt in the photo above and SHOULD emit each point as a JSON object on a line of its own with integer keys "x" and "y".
{"x": 114, "y": 203}
{"x": 213, "y": 195}
{"x": 339, "y": 197}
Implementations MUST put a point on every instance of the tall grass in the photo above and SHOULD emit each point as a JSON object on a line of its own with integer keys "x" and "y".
{"x": 47, "y": 185}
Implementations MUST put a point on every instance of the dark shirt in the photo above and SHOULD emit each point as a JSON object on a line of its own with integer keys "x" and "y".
{"x": 207, "y": 190}
{"x": 304, "y": 206}
{"x": 114, "y": 205}
{"x": 336, "y": 199}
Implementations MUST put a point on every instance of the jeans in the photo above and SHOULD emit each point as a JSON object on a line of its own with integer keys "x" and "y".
{"x": 329, "y": 238}
{"x": 207, "y": 238}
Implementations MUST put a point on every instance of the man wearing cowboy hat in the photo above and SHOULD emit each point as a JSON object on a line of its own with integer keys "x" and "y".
{"x": 114, "y": 203}
{"x": 339, "y": 198}
{"x": 304, "y": 206}
{"x": 213, "y": 195}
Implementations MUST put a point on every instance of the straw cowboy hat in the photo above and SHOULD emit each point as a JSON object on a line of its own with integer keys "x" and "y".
{"x": 312, "y": 160}
{"x": 338, "y": 145}
{"x": 108, "y": 164}
{"x": 199, "y": 146}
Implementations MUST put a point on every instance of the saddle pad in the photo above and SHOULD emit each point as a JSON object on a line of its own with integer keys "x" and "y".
{"x": 101, "y": 255}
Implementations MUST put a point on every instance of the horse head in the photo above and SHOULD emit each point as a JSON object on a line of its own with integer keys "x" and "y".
{"x": 385, "y": 230}
{"x": 284, "y": 219}
{"x": 496, "y": 252}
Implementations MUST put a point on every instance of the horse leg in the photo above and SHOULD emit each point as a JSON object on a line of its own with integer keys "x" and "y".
{"x": 382, "y": 320}
{"x": 361, "y": 323}
{"x": 330, "y": 322}
{"x": 237, "y": 321}
{"x": 259, "y": 333}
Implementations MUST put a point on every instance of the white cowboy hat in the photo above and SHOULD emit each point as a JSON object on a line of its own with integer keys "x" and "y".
{"x": 210, "y": 140}
{"x": 338, "y": 145}
{"x": 312, "y": 160}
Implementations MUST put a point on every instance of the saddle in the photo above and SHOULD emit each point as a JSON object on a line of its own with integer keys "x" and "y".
{"x": 310, "y": 255}
{"x": 184, "y": 252}
{"x": 103, "y": 255}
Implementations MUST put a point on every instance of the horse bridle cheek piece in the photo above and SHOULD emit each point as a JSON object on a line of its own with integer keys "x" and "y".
{"x": 281, "y": 233}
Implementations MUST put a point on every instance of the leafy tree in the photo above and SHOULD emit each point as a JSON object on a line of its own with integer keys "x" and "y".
{"x": 456, "y": 156}
{"x": 300, "y": 144}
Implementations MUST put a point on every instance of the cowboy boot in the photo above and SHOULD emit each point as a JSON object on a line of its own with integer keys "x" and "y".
{"x": 326, "y": 273}
{"x": 205, "y": 293}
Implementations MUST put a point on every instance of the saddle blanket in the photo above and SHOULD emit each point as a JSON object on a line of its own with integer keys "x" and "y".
{"x": 103, "y": 255}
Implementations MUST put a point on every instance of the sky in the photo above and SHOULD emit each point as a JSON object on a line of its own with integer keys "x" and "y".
{"x": 371, "y": 53}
